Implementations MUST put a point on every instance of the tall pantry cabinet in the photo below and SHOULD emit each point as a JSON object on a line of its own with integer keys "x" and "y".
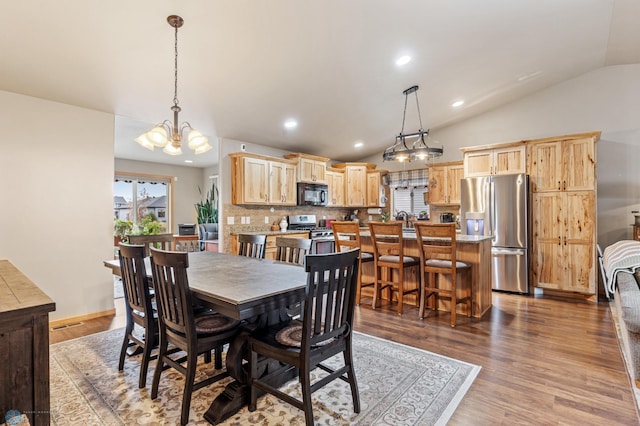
{"x": 563, "y": 213}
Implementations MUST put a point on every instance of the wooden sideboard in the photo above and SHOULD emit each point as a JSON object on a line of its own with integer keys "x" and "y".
{"x": 24, "y": 346}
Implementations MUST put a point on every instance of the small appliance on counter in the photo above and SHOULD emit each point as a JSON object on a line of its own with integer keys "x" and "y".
{"x": 447, "y": 218}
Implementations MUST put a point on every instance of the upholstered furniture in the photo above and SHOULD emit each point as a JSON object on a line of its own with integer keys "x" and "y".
{"x": 207, "y": 232}
{"x": 347, "y": 237}
{"x": 438, "y": 256}
{"x": 138, "y": 307}
{"x": 180, "y": 327}
{"x": 159, "y": 241}
{"x": 627, "y": 303}
{"x": 323, "y": 331}
{"x": 252, "y": 245}
{"x": 390, "y": 261}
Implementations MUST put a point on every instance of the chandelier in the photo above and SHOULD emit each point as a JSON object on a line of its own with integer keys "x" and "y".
{"x": 412, "y": 146}
{"x": 169, "y": 135}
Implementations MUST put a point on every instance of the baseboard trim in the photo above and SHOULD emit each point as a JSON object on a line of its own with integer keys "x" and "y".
{"x": 81, "y": 318}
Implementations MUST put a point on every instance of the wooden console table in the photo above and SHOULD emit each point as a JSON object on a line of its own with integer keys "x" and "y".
{"x": 24, "y": 343}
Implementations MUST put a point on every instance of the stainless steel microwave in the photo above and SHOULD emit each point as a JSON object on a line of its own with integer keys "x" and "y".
{"x": 312, "y": 194}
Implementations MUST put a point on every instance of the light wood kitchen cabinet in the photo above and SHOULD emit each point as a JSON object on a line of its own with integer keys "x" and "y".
{"x": 563, "y": 216}
{"x": 355, "y": 182}
{"x": 282, "y": 183}
{"x": 311, "y": 168}
{"x": 335, "y": 183}
{"x": 564, "y": 232}
{"x": 503, "y": 160}
{"x": 563, "y": 165}
{"x": 444, "y": 183}
{"x": 262, "y": 180}
{"x": 373, "y": 188}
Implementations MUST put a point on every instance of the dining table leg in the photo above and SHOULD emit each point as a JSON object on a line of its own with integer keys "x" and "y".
{"x": 236, "y": 394}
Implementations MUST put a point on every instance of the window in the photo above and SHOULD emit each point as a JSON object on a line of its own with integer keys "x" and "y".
{"x": 143, "y": 201}
{"x": 409, "y": 189}
{"x": 410, "y": 200}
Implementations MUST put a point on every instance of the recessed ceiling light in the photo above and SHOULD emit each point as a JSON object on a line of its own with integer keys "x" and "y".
{"x": 358, "y": 144}
{"x": 290, "y": 124}
{"x": 457, "y": 104}
{"x": 188, "y": 161}
{"x": 403, "y": 60}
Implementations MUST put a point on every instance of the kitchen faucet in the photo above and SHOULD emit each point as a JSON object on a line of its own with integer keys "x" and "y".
{"x": 403, "y": 214}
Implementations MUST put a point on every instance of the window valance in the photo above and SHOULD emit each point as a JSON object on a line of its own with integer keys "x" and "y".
{"x": 409, "y": 178}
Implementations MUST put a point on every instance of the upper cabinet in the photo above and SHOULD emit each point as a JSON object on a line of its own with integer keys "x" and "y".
{"x": 444, "y": 183}
{"x": 262, "y": 180}
{"x": 355, "y": 182}
{"x": 335, "y": 182}
{"x": 373, "y": 188}
{"x": 500, "y": 160}
{"x": 311, "y": 168}
{"x": 563, "y": 165}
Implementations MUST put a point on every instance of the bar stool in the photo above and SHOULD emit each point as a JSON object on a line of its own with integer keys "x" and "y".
{"x": 438, "y": 256}
{"x": 347, "y": 237}
{"x": 388, "y": 256}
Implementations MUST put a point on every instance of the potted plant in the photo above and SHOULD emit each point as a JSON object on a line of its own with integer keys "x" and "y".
{"x": 207, "y": 209}
{"x": 207, "y": 215}
{"x": 121, "y": 228}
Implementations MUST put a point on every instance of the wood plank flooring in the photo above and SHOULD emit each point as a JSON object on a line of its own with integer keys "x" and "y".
{"x": 545, "y": 361}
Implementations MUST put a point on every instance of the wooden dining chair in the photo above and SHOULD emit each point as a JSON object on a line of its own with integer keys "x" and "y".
{"x": 325, "y": 330}
{"x": 292, "y": 250}
{"x": 180, "y": 327}
{"x": 347, "y": 237}
{"x": 138, "y": 307}
{"x": 159, "y": 241}
{"x": 252, "y": 245}
{"x": 390, "y": 262}
{"x": 438, "y": 256}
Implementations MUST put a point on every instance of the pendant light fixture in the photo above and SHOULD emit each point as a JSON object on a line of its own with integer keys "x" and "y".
{"x": 169, "y": 135}
{"x": 412, "y": 146}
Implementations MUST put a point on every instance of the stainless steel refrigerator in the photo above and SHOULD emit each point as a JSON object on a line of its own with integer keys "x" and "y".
{"x": 498, "y": 206}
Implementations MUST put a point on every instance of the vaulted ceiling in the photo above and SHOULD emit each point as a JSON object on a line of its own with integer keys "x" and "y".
{"x": 245, "y": 66}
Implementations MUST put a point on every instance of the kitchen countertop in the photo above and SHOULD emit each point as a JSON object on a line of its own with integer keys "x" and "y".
{"x": 269, "y": 232}
{"x": 411, "y": 235}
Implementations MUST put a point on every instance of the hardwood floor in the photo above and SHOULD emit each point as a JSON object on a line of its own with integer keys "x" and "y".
{"x": 544, "y": 361}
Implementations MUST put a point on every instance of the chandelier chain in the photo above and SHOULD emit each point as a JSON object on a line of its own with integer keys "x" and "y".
{"x": 175, "y": 64}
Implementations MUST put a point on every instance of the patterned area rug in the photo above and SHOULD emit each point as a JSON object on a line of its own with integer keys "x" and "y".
{"x": 398, "y": 385}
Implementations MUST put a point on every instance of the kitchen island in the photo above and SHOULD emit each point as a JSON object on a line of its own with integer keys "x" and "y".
{"x": 474, "y": 250}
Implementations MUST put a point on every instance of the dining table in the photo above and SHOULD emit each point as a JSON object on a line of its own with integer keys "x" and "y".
{"x": 255, "y": 291}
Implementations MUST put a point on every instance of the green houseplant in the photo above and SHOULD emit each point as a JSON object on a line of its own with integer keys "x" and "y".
{"x": 207, "y": 208}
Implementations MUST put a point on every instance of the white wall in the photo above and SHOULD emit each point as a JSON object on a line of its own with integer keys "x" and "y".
{"x": 185, "y": 187}
{"x": 607, "y": 99}
{"x": 56, "y": 200}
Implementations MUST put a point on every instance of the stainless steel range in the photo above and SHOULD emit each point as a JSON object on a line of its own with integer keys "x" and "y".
{"x": 322, "y": 237}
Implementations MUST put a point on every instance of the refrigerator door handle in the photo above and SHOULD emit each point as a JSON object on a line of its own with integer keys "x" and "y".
{"x": 492, "y": 210}
{"x": 507, "y": 252}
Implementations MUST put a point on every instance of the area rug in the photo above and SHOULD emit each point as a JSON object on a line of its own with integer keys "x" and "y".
{"x": 399, "y": 385}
